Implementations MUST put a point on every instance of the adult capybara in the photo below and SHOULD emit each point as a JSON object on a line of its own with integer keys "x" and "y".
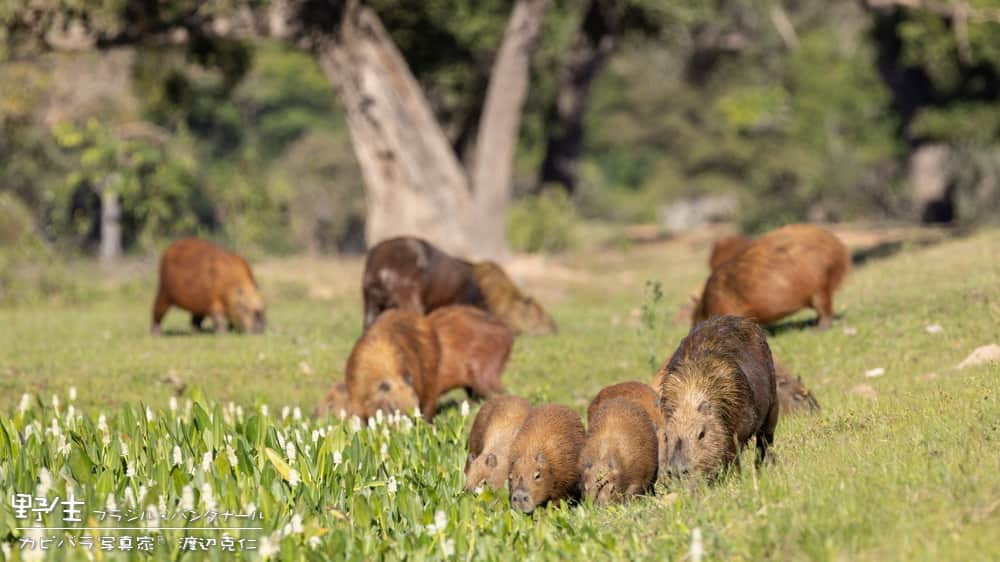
{"x": 726, "y": 248}
{"x": 718, "y": 390}
{"x": 393, "y": 365}
{"x": 520, "y": 312}
{"x": 337, "y": 401}
{"x": 793, "y": 396}
{"x": 637, "y": 392}
{"x": 544, "y": 457}
{"x": 491, "y": 438}
{"x": 206, "y": 280}
{"x": 619, "y": 455}
{"x": 413, "y": 275}
{"x": 474, "y": 350}
{"x": 780, "y": 273}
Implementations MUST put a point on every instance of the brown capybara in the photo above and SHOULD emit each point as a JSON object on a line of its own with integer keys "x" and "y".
{"x": 793, "y": 396}
{"x": 490, "y": 440}
{"x": 726, "y": 248}
{"x": 791, "y": 268}
{"x": 718, "y": 390}
{"x": 520, "y": 312}
{"x": 207, "y": 280}
{"x": 411, "y": 274}
{"x": 544, "y": 457}
{"x": 474, "y": 350}
{"x": 336, "y": 401}
{"x": 637, "y": 392}
{"x": 393, "y": 364}
{"x": 619, "y": 455}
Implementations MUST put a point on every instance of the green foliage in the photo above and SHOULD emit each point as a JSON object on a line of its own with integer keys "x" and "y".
{"x": 542, "y": 223}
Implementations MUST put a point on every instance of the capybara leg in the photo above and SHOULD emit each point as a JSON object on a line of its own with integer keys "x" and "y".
{"x": 219, "y": 322}
{"x": 196, "y": 321}
{"x": 822, "y": 303}
{"x": 160, "y": 307}
{"x": 766, "y": 435}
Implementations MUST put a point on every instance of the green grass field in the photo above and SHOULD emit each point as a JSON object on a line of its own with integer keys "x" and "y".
{"x": 904, "y": 466}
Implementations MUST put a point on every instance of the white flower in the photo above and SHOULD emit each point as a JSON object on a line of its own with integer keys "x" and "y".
{"x": 129, "y": 471}
{"x": 407, "y": 425}
{"x": 24, "y": 405}
{"x": 371, "y": 423}
{"x": 313, "y": 542}
{"x": 110, "y": 502}
{"x": 123, "y": 447}
{"x": 206, "y": 461}
{"x": 337, "y": 459}
{"x": 440, "y": 523}
{"x": 379, "y": 417}
{"x": 263, "y": 410}
{"x": 5, "y": 548}
{"x": 72, "y": 393}
{"x": 63, "y": 447}
{"x": 355, "y": 424}
{"x": 696, "y": 550}
{"x": 391, "y": 485}
{"x": 290, "y": 452}
{"x": 315, "y": 436}
{"x": 207, "y": 497}
{"x": 102, "y": 424}
{"x": 268, "y": 546}
{"x": 416, "y": 412}
{"x": 231, "y": 454}
{"x": 187, "y": 498}
{"x": 173, "y": 404}
{"x": 44, "y": 482}
{"x": 281, "y": 439}
{"x": 149, "y": 414}
{"x": 239, "y": 413}
{"x": 448, "y": 548}
{"x": 384, "y": 451}
{"x": 70, "y": 413}
{"x": 296, "y": 523}
{"x": 293, "y": 478}
{"x": 129, "y": 496}
{"x": 55, "y": 402}
{"x": 296, "y": 413}
{"x": 465, "y": 408}
{"x": 284, "y": 413}
{"x": 178, "y": 457}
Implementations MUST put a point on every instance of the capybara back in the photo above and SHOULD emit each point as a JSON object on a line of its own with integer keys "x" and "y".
{"x": 474, "y": 350}
{"x": 619, "y": 455}
{"x": 637, "y": 392}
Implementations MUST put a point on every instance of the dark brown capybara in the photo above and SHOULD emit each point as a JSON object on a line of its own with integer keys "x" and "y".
{"x": 520, "y": 312}
{"x": 208, "y": 281}
{"x": 412, "y": 274}
{"x": 782, "y": 272}
{"x": 474, "y": 350}
{"x": 619, "y": 455}
{"x": 793, "y": 396}
{"x": 490, "y": 441}
{"x": 336, "y": 401}
{"x": 718, "y": 390}
{"x": 544, "y": 457}
{"x": 637, "y": 392}
{"x": 726, "y": 248}
{"x": 393, "y": 364}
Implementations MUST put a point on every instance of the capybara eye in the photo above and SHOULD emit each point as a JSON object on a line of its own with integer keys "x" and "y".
{"x": 538, "y": 475}
{"x": 702, "y": 434}
{"x": 472, "y": 457}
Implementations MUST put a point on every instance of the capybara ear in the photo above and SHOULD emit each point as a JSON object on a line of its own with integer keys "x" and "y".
{"x": 472, "y": 457}
{"x": 491, "y": 460}
{"x": 705, "y": 407}
{"x": 539, "y": 458}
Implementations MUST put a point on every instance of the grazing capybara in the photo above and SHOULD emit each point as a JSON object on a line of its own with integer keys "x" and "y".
{"x": 544, "y": 457}
{"x": 726, "y": 248}
{"x": 393, "y": 364}
{"x": 413, "y": 275}
{"x": 793, "y": 396}
{"x": 619, "y": 455}
{"x": 782, "y": 272}
{"x": 520, "y": 312}
{"x": 491, "y": 438}
{"x": 474, "y": 350}
{"x": 637, "y": 392}
{"x": 718, "y": 391}
{"x": 337, "y": 401}
{"x": 207, "y": 280}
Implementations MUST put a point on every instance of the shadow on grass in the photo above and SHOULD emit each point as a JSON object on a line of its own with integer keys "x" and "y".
{"x": 797, "y": 325}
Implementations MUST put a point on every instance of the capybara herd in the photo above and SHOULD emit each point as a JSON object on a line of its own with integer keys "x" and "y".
{"x": 434, "y": 323}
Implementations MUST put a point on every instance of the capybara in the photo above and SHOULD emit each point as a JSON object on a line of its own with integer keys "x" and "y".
{"x": 726, "y": 248}
{"x": 337, "y": 401}
{"x": 788, "y": 269}
{"x": 640, "y": 393}
{"x": 718, "y": 390}
{"x": 619, "y": 455}
{"x": 520, "y": 312}
{"x": 544, "y": 457}
{"x": 474, "y": 350}
{"x": 490, "y": 440}
{"x": 393, "y": 364}
{"x": 411, "y": 274}
{"x": 793, "y": 396}
{"x": 206, "y": 280}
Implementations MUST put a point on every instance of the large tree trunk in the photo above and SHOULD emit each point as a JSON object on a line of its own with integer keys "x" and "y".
{"x": 932, "y": 184}
{"x": 414, "y": 182}
{"x": 586, "y": 57}
{"x": 493, "y": 165}
{"x": 111, "y": 227}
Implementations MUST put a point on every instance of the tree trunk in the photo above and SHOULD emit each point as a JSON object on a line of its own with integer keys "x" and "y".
{"x": 586, "y": 57}
{"x": 414, "y": 183}
{"x": 493, "y": 165}
{"x": 111, "y": 227}
{"x": 932, "y": 183}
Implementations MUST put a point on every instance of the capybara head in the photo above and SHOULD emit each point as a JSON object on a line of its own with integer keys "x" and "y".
{"x": 530, "y": 480}
{"x": 726, "y": 248}
{"x": 488, "y": 469}
{"x": 245, "y": 308}
{"x": 696, "y": 438}
{"x": 599, "y": 480}
{"x": 337, "y": 401}
{"x": 544, "y": 457}
{"x": 520, "y": 312}
{"x": 382, "y": 380}
{"x": 528, "y": 317}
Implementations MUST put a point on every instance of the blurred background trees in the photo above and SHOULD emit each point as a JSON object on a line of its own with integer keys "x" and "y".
{"x": 192, "y": 118}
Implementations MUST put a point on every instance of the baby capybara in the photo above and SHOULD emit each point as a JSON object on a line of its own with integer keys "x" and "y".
{"x": 639, "y": 393}
{"x": 336, "y": 401}
{"x": 207, "y": 280}
{"x": 791, "y": 268}
{"x": 490, "y": 441}
{"x": 521, "y": 313}
{"x": 793, "y": 396}
{"x": 619, "y": 455}
{"x": 726, "y": 248}
{"x": 393, "y": 364}
{"x": 544, "y": 457}
{"x": 717, "y": 392}
{"x": 474, "y": 350}
{"x": 413, "y": 275}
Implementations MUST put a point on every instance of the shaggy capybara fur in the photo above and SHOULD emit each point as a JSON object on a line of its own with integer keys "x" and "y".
{"x": 474, "y": 350}
{"x": 393, "y": 366}
{"x": 520, "y": 312}
{"x": 413, "y": 275}
{"x": 637, "y": 392}
{"x": 207, "y": 280}
{"x": 490, "y": 441}
{"x": 782, "y": 272}
{"x": 619, "y": 455}
{"x": 544, "y": 457}
{"x": 726, "y": 248}
{"x": 717, "y": 391}
{"x": 336, "y": 401}
{"x": 793, "y": 396}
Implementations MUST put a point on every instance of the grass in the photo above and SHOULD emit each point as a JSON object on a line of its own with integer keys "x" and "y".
{"x": 908, "y": 469}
